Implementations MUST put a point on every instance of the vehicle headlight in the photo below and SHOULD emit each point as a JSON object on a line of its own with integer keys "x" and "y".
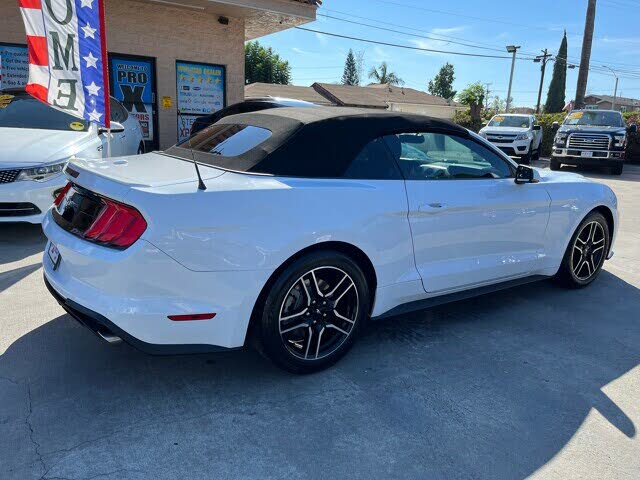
{"x": 619, "y": 140}
{"x": 524, "y": 136}
{"x": 561, "y": 138}
{"x": 43, "y": 172}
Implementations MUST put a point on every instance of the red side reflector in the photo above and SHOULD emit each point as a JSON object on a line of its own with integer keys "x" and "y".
{"x": 193, "y": 316}
{"x": 61, "y": 195}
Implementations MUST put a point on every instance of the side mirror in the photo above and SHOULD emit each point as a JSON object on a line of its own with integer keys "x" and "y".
{"x": 555, "y": 126}
{"x": 525, "y": 174}
{"x": 633, "y": 128}
{"x": 116, "y": 127}
{"x": 537, "y": 127}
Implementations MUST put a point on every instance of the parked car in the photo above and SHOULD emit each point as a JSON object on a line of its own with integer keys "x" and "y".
{"x": 516, "y": 135}
{"x": 37, "y": 141}
{"x": 309, "y": 221}
{"x": 591, "y": 138}
{"x": 249, "y": 105}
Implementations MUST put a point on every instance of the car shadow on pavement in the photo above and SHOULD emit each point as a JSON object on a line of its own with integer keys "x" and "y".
{"x": 20, "y": 240}
{"x": 491, "y": 387}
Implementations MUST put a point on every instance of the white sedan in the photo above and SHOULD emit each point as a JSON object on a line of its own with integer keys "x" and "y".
{"x": 36, "y": 141}
{"x": 306, "y": 223}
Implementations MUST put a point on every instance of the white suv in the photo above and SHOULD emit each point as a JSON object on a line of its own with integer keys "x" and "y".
{"x": 516, "y": 135}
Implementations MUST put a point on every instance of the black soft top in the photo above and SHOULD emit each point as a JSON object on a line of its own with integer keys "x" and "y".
{"x": 318, "y": 141}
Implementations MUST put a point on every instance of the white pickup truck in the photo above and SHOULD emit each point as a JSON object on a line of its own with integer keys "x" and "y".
{"x": 516, "y": 135}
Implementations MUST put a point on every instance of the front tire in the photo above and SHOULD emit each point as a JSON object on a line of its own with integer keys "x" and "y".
{"x": 586, "y": 253}
{"x": 554, "y": 164}
{"x": 314, "y": 312}
{"x": 617, "y": 169}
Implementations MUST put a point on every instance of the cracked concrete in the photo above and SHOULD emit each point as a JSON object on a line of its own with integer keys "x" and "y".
{"x": 534, "y": 381}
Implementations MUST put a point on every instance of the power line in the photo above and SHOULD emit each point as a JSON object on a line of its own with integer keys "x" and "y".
{"x": 411, "y": 34}
{"x": 474, "y": 42}
{"x": 466, "y": 54}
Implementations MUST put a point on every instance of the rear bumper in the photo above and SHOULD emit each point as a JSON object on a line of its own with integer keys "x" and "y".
{"x": 110, "y": 332}
{"x": 132, "y": 292}
{"x": 27, "y": 201}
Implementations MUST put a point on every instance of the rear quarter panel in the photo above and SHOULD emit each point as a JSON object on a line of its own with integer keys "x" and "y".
{"x": 247, "y": 222}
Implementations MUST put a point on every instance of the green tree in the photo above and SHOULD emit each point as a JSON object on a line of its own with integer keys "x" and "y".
{"x": 264, "y": 65}
{"x": 382, "y": 74}
{"x": 555, "y": 96}
{"x": 350, "y": 75}
{"x": 442, "y": 82}
{"x": 473, "y": 95}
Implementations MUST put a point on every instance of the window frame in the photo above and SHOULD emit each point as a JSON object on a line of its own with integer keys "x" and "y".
{"x": 471, "y": 136}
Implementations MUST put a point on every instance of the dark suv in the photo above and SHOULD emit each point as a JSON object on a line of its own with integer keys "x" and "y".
{"x": 591, "y": 138}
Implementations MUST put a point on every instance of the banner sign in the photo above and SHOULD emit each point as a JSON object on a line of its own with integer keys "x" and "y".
{"x": 15, "y": 66}
{"x": 67, "y": 56}
{"x": 200, "y": 91}
{"x": 132, "y": 85}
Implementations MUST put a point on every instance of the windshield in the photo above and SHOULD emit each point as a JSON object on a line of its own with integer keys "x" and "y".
{"x": 510, "y": 121}
{"x": 21, "y": 110}
{"x": 220, "y": 140}
{"x": 595, "y": 117}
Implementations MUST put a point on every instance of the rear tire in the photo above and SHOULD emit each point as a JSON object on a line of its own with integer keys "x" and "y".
{"x": 554, "y": 164}
{"x": 586, "y": 253}
{"x": 314, "y": 312}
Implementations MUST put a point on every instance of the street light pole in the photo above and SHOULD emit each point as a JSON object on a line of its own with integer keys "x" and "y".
{"x": 615, "y": 90}
{"x": 541, "y": 58}
{"x": 511, "y": 49}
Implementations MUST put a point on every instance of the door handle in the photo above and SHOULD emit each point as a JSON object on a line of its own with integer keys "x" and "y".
{"x": 433, "y": 206}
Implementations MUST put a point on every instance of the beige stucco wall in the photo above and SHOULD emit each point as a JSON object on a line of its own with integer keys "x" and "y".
{"x": 166, "y": 33}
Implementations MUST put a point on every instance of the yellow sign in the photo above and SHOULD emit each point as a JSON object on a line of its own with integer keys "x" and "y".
{"x": 575, "y": 115}
{"x": 77, "y": 126}
{"x": 166, "y": 102}
{"x": 498, "y": 119}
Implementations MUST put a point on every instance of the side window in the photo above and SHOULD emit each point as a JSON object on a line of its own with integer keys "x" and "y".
{"x": 374, "y": 162}
{"x": 437, "y": 156}
{"x": 118, "y": 112}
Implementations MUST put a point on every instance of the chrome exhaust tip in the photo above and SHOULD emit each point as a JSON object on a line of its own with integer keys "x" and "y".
{"x": 109, "y": 337}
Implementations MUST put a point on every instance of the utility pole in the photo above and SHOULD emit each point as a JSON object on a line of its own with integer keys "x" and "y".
{"x": 541, "y": 58}
{"x": 585, "y": 57}
{"x": 615, "y": 90}
{"x": 511, "y": 49}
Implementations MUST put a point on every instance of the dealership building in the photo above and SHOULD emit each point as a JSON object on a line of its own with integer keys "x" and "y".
{"x": 170, "y": 61}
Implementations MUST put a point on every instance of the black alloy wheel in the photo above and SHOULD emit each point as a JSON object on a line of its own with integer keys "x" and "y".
{"x": 586, "y": 252}
{"x": 314, "y": 312}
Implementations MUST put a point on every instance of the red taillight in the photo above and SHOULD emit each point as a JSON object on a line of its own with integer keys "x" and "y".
{"x": 61, "y": 195}
{"x": 117, "y": 225}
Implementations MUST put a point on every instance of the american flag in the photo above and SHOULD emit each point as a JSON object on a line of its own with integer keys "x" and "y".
{"x": 68, "y": 56}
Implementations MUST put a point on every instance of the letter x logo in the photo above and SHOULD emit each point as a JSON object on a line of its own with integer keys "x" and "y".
{"x": 132, "y": 98}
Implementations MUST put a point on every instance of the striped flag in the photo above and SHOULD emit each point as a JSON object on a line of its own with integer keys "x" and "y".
{"x": 68, "y": 56}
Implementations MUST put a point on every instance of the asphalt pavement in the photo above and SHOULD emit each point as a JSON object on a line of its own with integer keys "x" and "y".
{"x": 532, "y": 381}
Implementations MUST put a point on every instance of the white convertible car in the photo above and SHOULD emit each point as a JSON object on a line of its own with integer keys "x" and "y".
{"x": 36, "y": 141}
{"x": 306, "y": 223}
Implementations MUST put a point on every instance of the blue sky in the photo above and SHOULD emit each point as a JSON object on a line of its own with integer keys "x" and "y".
{"x": 491, "y": 24}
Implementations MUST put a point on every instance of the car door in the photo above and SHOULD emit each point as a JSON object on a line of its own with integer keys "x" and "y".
{"x": 471, "y": 223}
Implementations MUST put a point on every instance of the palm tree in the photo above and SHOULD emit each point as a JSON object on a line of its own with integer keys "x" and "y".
{"x": 382, "y": 74}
